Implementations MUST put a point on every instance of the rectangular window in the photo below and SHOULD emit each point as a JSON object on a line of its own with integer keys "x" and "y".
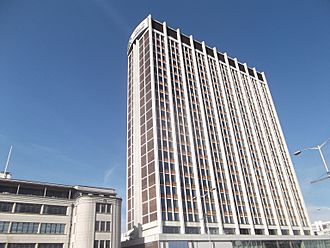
{"x": 6, "y": 206}
{"x": 108, "y": 226}
{"x": 57, "y": 193}
{"x": 24, "y": 227}
{"x": 52, "y": 228}
{"x": 107, "y": 244}
{"x": 4, "y": 226}
{"x": 192, "y": 230}
{"x": 20, "y": 245}
{"x": 27, "y": 208}
{"x": 103, "y": 208}
{"x": 55, "y": 210}
{"x": 102, "y": 226}
{"x": 171, "y": 229}
{"x": 31, "y": 191}
{"x": 158, "y": 26}
{"x": 45, "y": 245}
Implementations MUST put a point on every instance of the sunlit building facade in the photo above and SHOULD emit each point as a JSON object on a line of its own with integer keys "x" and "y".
{"x": 47, "y": 215}
{"x": 205, "y": 151}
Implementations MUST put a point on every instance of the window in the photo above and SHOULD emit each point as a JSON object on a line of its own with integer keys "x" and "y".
{"x": 27, "y": 208}
{"x": 45, "y": 245}
{"x": 103, "y": 226}
{"x": 171, "y": 229}
{"x": 102, "y": 244}
{"x": 192, "y": 230}
{"x": 57, "y": 193}
{"x": 108, "y": 226}
{"x": 103, "y": 208}
{"x": 8, "y": 189}
{"x": 4, "y": 226}
{"x": 13, "y": 245}
{"x": 6, "y": 206}
{"x": 52, "y": 228}
{"x": 24, "y": 227}
{"x": 31, "y": 191}
{"x": 56, "y": 210}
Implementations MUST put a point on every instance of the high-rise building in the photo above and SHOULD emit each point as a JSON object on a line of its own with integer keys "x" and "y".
{"x": 205, "y": 150}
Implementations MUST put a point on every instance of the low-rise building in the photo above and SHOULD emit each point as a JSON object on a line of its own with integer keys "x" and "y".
{"x": 48, "y": 215}
{"x": 321, "y": 227}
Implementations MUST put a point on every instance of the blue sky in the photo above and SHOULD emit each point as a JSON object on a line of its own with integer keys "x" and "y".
{"x": 63, "y": 80}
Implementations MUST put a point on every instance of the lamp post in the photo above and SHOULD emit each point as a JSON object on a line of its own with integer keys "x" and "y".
{"x": 205, "y": 216}
{"x": 319, "y": 148}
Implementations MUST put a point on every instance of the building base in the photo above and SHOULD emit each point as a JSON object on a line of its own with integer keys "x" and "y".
{"x": 227, "y": 241}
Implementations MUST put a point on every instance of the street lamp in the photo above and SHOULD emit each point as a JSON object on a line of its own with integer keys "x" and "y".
{"x": 319, "y": 148}
{"x": 205, "y": 216}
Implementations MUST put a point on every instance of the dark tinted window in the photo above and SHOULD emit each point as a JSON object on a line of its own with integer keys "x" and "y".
{"x": 171, "y": 33}
{"x": 57, "y": 193}
{"x": 260, "y": 76}
{"x": 244, "y": 231}
{"x": 6, "y": 206}
{"x": 171, "y": 229}
{"x": 259, "y": 231}
{"x": 193, "y": 230}
{"x": 56, "y": 210}
{"x": 157, "y": 26}
{"x": 198, "y": 46}
{"x": 185, "y": 39}
{"x": 31, "y": 191}
{"x": 241, "y": 67}
{"x": 221, "y": 57}
{"x": 50, "y": 245}
{"x": 27, "y": 208}
{"x": 209, "y": 51}
{"x": 8, "y": 189}
{"x": 251, "y": 72}
{"x": 27, "y": 245}
{"x": 231, "y": 62}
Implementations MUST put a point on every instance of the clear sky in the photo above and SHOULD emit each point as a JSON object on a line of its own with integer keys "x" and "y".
{"x": 63, "y": 80}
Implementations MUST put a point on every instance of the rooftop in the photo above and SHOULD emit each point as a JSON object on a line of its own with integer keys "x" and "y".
{"x": 46, "y": 189}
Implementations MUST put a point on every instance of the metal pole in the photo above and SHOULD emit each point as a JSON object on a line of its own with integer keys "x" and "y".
{"x": 8, "y": 158}
{"x": 206, "y": 219}
{"x": 324, "y": 163}
{"x": 207, "y": 222}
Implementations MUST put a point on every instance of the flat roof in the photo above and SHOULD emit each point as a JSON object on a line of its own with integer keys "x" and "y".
{"x": 90, "y": 189}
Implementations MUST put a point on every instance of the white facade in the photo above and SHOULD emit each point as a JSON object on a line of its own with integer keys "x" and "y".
{"x": 205, "y": 151}
{"x": 321, "y": 227}
{"x": 45, "y": 215}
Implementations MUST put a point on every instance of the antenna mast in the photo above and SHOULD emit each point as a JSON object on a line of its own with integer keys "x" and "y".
{"x": 8, "y": 159}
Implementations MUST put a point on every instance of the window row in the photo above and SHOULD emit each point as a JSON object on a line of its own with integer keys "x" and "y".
{"x": 103, "y": 226}
{"x": 32, "y": 208}
{"x": 102, "y": 244}
{"x": 103, "y": 208}
{"x": 31, "y": 245}
{"x": 31, "y": 227}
